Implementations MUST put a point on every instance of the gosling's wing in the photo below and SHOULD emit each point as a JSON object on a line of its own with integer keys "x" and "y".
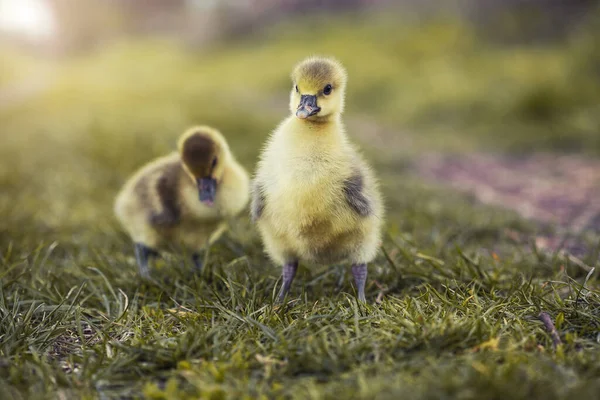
{"x": 168, "y": 212}
{"x": 258, "y": 200}
{"x": 355, "y": 195}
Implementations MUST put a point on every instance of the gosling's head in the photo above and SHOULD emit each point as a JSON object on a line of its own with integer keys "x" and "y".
{"x": 318, "y": 89}
{"x": 204, "y": 152}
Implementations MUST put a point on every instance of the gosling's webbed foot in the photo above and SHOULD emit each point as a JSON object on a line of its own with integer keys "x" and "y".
{"x": 142, "y": 255}
{"x": 289, "y": 272}
{"x": 360, "y": 278}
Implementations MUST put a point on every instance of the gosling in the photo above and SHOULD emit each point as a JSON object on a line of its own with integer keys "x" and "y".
{"x": 183, "y": 199}
{"x": 314, "y": 198}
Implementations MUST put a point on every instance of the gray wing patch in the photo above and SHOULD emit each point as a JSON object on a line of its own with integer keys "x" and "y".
{"x": 166, "y": 188}
{"x": 258, "y": 201}
{"x": 353, "y": 190}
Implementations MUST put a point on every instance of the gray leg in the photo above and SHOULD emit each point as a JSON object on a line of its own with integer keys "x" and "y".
{"x": 197, "y": 260}
{"x": 360, "y": 278}
{"x": 142, "y": 255}
{"x": 289, "y": 272}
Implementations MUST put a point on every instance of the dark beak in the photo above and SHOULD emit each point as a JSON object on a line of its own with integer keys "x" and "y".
{"x": 307, "y": 106}
{"x": 207, "y": 190}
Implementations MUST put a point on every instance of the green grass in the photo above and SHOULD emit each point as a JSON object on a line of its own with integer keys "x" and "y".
{"x": 459, "y": 299}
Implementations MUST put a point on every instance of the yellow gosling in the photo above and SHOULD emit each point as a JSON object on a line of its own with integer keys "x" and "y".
{"x": 184, "y": 198}
{"x": 314, "y": 198}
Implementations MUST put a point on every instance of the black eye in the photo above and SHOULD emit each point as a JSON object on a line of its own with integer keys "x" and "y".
{"x": 327, "y": 90}
{"x": 297, "y": 89}
{"x": 214, "y": 162}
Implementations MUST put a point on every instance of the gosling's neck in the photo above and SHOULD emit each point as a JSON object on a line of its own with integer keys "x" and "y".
{"x": 321, "y": 126}
{"x": 323, "y": 136}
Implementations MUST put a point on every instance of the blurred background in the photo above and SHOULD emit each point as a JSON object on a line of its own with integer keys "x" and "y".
{"x": 91, "y": 89}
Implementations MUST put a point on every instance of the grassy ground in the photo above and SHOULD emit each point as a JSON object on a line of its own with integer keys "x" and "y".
{"x": 458, "y": 299}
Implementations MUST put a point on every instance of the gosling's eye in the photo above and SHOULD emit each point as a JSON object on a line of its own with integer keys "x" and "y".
{"x": 214, "y": 162}
{"x": 297, "y": 91}
{"x": 327, "y": 90}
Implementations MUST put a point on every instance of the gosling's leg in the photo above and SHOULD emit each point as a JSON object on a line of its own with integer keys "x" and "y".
{"x": 360, "y": 278}
{"x": 142, "y": 255}
{"x": 197, "y": 260}
{"x": 289, "y": 272}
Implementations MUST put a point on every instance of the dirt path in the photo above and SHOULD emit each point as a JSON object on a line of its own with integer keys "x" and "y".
{"x": 562, "y": 190}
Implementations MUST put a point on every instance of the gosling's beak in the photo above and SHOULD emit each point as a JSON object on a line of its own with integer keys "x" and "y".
{"x": 207, "y": 190}
{"x": 307, "y": 106}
